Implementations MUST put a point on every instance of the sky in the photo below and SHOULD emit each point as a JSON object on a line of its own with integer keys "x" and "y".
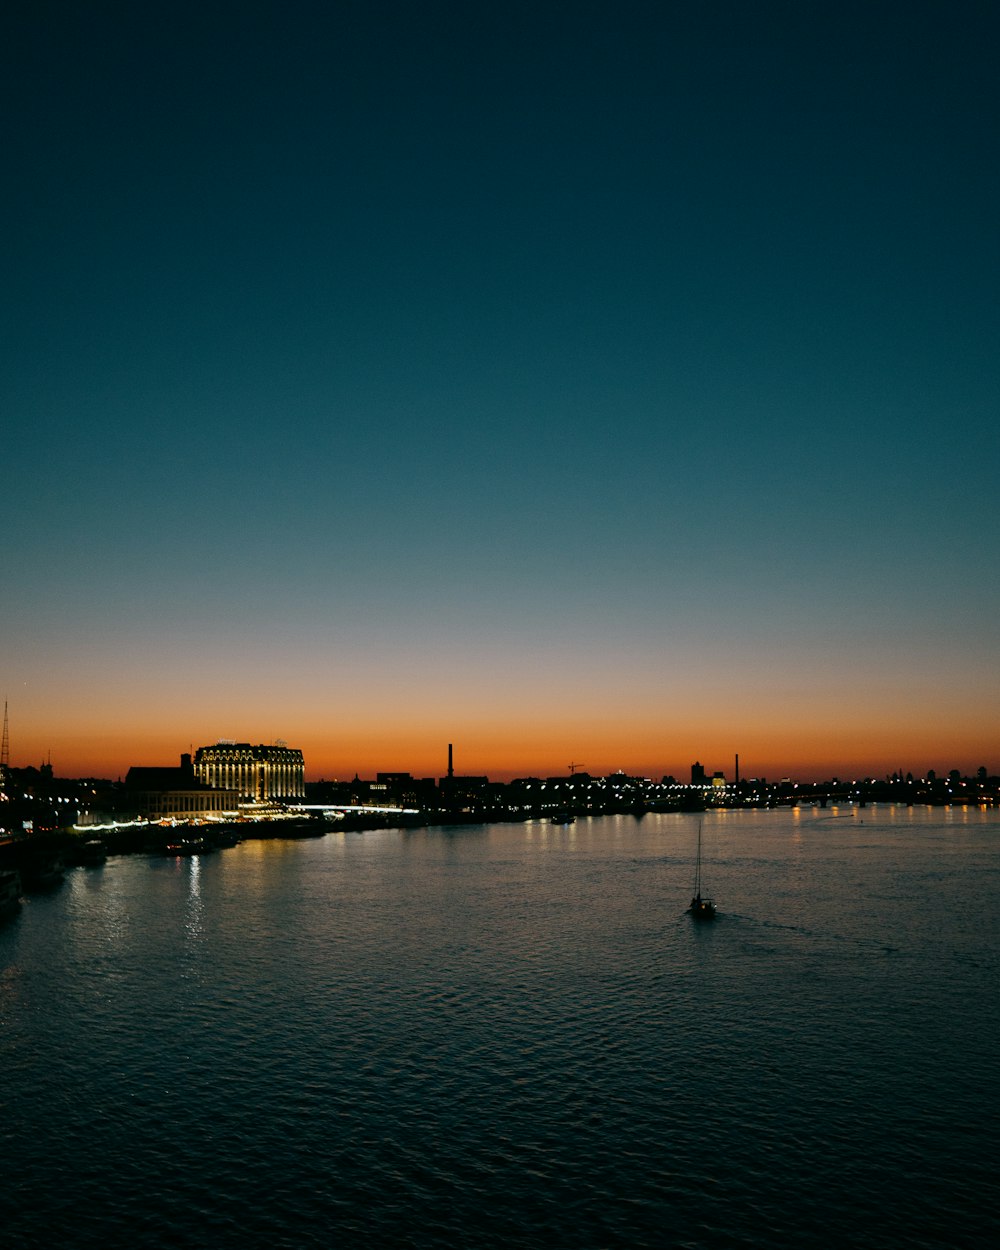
{"x": 605, "y": 383}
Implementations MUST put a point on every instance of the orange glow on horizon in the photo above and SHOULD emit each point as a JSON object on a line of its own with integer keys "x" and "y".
{"x": 641, "y": 725}
{"x": 544, "y": 751}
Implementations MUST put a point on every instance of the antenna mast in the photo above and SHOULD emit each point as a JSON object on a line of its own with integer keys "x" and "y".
{"x": 5, "y": 748}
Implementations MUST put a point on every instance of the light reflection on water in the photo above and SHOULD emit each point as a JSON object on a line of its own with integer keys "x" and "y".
{"x": 512, "y": 1035}
{"x": 194, "y": 909}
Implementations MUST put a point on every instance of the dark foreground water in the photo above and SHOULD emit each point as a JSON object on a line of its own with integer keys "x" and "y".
{"x": 513, "y": 1036}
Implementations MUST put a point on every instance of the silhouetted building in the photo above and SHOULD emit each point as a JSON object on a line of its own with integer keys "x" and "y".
{"x": 697, "y": 774}
{"x": 259, "y": 773}
{"x": 462, "y": 792}
{"x": 407, "y": 791}
{"x": 175, "y": 794}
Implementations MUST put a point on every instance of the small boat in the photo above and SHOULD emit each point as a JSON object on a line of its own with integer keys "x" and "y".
{"x": 299, "y": 829}
{"x": 563, "y": 818}
{"x": 10, "y": 893}
{"x": 42, "y": 871}
{"x": 185, "y": 848}
{"x": 92, "y": 853}
{"x": 701, "y": 908}
{"x": 223, "y": 838}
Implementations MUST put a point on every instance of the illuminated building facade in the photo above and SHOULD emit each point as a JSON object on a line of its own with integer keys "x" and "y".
{"x": 259, "y": 773}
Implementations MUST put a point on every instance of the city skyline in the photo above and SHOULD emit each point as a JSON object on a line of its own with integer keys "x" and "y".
{"x": 433, "y": 761}
{"x": 616, "y": 385}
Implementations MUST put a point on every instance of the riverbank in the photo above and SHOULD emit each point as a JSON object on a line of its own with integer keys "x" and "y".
{"x": 43, "y": 856}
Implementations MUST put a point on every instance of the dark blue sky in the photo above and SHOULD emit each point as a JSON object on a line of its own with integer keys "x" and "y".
{"x": 345, "y": 343}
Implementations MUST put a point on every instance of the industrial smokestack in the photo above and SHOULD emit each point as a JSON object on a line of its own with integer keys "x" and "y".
{"x": 451, "y": 771}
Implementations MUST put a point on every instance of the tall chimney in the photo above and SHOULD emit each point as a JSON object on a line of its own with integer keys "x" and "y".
{"x": 451, "y": 771}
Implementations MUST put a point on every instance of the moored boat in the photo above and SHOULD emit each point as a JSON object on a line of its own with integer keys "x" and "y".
{"x": 186, "y": 847}
{"x": 92, "y": 853}
{"x": 10, "y": 892}
{"x": 42, "y": 871}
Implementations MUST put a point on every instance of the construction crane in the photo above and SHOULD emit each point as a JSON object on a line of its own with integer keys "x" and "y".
{"x": 573, "y": 767}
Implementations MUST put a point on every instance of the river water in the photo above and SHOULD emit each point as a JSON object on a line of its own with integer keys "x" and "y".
{"x": 512, "y": 1035}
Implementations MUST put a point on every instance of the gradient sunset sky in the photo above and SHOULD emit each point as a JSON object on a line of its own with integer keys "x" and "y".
{"x": 601, "y": 382}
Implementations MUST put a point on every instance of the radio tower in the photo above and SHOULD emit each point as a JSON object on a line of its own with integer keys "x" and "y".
{"x": 5, "y": 749}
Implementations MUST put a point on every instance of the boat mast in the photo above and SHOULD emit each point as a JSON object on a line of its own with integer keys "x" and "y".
{"x": 697, "y": 865}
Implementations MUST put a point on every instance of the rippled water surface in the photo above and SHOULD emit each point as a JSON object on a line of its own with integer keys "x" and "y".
{"x": 512, "y": 1035}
